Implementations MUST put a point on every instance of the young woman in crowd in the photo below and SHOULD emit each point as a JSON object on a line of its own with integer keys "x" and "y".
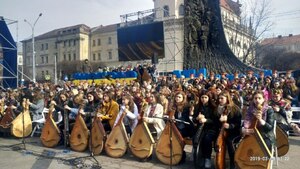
{"x": 109, "y": 109}
{"x": 207, "y": 132}
{"x": 153, "y": 114}
{"x": 229, "y": 116}
{"x": 130, "y": 109}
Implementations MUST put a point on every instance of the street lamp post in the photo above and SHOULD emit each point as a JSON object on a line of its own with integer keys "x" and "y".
{"x": 33, "y": 51}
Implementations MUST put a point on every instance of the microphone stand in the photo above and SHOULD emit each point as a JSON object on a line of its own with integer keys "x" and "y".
{"x": 171, "y": 121}
{"x": 91, "y": 150}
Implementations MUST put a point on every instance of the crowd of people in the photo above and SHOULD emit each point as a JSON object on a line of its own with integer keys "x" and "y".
{"x": 216, "y": 102}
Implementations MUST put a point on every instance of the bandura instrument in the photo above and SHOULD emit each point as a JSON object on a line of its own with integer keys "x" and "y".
{"x": 50, "y": 134}
{"x": 97, "y": 136}
{"x": 2, "y": 103}
{"x": 282, "y": 141}
{"x": 141, "y": 141}
{"x": 220, "y": 146}
{"x": 252, "y": 151}
{"x": 22, "y": 125}
{"x": 169, "y": 149}
{"x": 117, "y": 141}
{"x": 79, "y": 135}
{"x": 197, "y": 153}
{"x": 7, "y": 118}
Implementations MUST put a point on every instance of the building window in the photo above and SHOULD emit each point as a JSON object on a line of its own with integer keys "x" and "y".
{"x": 74, "y": 42}
{"x": 70, "y": 43}
{"x": 46, "y": 46}
{"x": 99, "y": 56}
{"x": 94, "y": 43}
{"x": 181, "y": 10}
{"x": 99, "y": 42}
{"x": 74, "y": 56}
{"x": 46, "y": 57}
{"x": 55, "y": 45}
{"x": 65, "y": 57}
{"x": 94, "y": 56}
{"x": 70, "y": 57}
{"x": 110, "y": 55}
{"x": 42, "y": 58}
{"x": 109, "y": 40}
{"x": 245, "y": 46}
{"x": 166, "y": 11}
{"x": 65, "y": 43}
{"x": 231, "y": 41}
{"x": 238, "y": 44}
{"x": 47, "y": 73}
{"x": 43, "y": 73}
{"x": 42, "y": 47}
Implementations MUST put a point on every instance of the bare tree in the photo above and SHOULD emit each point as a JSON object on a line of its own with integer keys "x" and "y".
{"x": 257, "y": 14}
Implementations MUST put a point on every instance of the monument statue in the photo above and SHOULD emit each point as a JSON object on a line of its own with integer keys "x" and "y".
{"x": 205, "y": 45}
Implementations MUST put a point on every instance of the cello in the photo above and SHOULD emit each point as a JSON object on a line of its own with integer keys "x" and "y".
{"x": 141, "y": 141}
{"x": 252, "y": 151}
{"x": 80, "y": 134}
{"x": 117, "y": 141}
{"x": 169, "y": 148}
{"x": 220, "y": 146}
{"x": 97, "y": 136}
{"x": 50, "y": 134}
{"x": 22, "y": 125}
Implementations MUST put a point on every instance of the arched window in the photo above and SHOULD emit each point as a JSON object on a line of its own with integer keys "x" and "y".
{"x": 181, "y": 10}
{"x": 166, "y": 11}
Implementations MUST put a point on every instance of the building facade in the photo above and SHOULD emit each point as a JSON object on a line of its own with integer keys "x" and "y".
{"x": 290, "y": 43}
{"x": 60, "y": 45}
{"x": 100, "y": 44}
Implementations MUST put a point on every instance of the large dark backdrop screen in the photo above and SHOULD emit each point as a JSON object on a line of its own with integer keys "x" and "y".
{"x": 141, "y": 42}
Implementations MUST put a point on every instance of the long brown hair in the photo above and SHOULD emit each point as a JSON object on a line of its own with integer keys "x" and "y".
{"x": 178, "y": 106}
{"x": 232, "y": 108}
{"x": 130, "y": 103}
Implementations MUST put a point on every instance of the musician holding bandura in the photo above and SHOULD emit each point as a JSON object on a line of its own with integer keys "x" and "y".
{"x": 207, "y": 131}
{"x": 154, "y": 109}
{"x": 229, "y": 116}
{"x": 260, "y": 111}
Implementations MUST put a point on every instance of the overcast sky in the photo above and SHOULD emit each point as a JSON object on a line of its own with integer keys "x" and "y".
{"x": 63, "y": 13}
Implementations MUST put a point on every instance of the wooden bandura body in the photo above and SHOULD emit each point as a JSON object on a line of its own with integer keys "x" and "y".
{"x": 50, "y": 134}
{"x": 18, "y": 129}
{"x": 252, "y": 151}
{"x": 79, "y": 135}
{"x": 117, "y": 141}
{"x": 163, "y": 147}
{"x": 221, "y": 147}
{"x": 282, "y": 142}
{"x": 98, "y": 136}
{"x": 197, "y": 153}
{"x": 141, "y": 141}
{"x": 7, "y": 118}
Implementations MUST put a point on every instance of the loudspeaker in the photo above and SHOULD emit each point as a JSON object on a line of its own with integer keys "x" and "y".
{"x": 154, "y": 59}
